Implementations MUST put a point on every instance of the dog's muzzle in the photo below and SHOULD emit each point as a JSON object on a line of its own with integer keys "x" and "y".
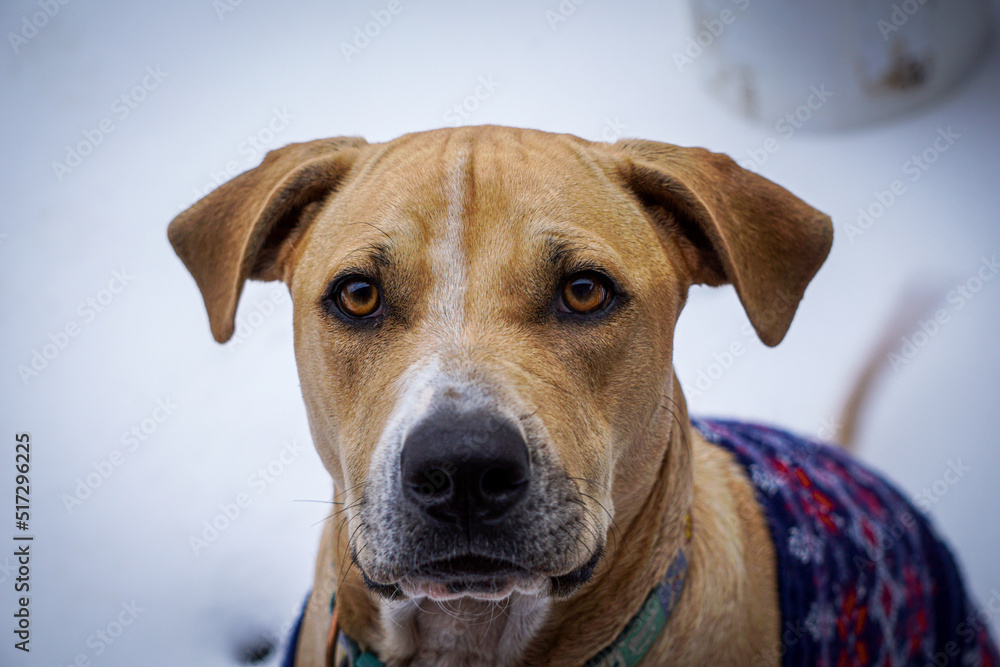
{"x": 474, "y": 504}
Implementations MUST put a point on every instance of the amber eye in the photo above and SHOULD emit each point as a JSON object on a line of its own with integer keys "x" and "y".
{"x": 358, "y": 298}
{"x": 585, "y": 293}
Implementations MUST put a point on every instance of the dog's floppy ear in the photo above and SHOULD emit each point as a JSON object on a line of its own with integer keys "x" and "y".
{"x": 740, "y": 227}
{"x": 238, "y": 230}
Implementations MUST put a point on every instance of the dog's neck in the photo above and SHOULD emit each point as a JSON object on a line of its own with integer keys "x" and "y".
{"x": 648, "y": 533}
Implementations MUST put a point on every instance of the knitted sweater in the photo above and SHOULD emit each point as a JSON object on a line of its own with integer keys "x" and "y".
{"x": 863, "y": 578}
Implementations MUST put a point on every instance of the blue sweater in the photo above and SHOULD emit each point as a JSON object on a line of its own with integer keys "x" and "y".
{"x": 862, "y": 577}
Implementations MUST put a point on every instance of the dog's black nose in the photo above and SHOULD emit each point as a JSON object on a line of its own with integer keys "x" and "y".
{"x": 464, "y": 469}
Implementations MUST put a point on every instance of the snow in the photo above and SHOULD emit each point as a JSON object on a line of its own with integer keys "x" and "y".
{"x": 215, "y": 416}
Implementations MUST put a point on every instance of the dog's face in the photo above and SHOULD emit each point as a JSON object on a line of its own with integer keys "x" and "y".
{"x": 483, "y": 327}
{"x": 478, "y": 346}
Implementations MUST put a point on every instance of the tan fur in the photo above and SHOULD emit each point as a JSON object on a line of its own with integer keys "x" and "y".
{"x": 908, "y": 312}
{"x": 729, "y": 607}
{"x": 466, "y": 221}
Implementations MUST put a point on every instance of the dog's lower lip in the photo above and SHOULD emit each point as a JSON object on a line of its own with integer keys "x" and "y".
{"x": 482, "y": 577}
{"x": 469, "y": 568}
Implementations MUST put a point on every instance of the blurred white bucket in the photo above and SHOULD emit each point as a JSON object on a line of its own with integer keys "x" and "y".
{"x": 868, "y": 59}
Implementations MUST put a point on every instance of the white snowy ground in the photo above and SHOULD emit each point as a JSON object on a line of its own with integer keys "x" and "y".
{"x": 273, "y": 74}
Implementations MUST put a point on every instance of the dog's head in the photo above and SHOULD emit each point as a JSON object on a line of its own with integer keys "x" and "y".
{"x": 483, "y": 329}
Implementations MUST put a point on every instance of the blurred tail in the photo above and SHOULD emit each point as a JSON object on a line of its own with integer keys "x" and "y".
{"x": 913, "y": 306}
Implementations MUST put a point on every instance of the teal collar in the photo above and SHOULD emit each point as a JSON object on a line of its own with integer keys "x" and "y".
{"x": 627, "y": 650}
{"x": 641, "y": 632}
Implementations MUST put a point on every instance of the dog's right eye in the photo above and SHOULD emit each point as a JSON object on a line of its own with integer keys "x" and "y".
{"x": 585, "y": 293}
{"x": 358, "y": 298}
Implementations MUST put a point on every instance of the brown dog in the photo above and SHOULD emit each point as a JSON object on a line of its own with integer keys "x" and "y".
{"x": 483, "y": 330}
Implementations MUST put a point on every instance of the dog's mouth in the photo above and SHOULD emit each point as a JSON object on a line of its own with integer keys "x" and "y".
{"x": 481, "y": 577}
{"x": 468, "y": 568}
{"x": 465, "y": 575}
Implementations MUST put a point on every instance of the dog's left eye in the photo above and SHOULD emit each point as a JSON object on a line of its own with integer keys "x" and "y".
{"x": 585, "y": 293}
{"x": 358, "y": 298}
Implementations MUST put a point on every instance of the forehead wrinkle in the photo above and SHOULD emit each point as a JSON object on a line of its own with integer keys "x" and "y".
{"x": 527, "y": 208}
{"x": 380, "y": 253}
{"x": 584, "y": 153}
{"x": 561, "y": 246}
{"x": 377, "y": 158}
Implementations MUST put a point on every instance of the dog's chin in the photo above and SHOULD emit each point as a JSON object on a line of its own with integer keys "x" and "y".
{"x": 482, "y": 578}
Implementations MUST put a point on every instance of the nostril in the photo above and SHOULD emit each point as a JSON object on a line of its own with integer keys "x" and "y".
{"x": 432, "y": 484}
{"x": 502, "y": 480}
